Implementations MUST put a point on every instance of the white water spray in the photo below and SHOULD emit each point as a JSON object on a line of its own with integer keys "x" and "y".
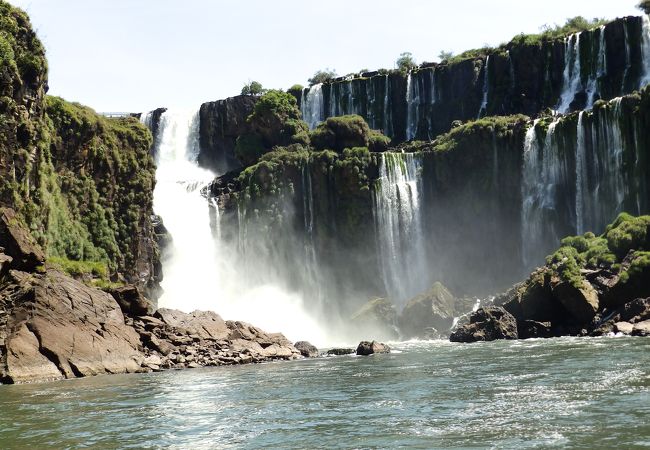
{"x": 199, "y": 270}
{"x": 572, "y": 82}
{"x": 312, "y": 106}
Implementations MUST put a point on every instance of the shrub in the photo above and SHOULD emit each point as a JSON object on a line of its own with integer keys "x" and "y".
{"x": 644, "y": 6}
{"x": 322, "y": 76}
{"x": 405, "y": 63}
{"x": 253, "y": 88}
{"x": 339, "y": 133}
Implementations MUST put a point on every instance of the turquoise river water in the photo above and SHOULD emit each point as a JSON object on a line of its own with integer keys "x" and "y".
{"x": 559, "y": 393}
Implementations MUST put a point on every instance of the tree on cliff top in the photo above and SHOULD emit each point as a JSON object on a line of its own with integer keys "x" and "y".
{"x": 405, "y": 63}
{"x": 253, "y": 88}
{"x": 644, "y": 5}
{"x": 322, "y": 76}
{"x": 276, "y": 121}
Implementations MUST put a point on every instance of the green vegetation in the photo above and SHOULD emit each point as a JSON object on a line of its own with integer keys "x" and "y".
{"x": 405, "y": 63}
{"x": 644, "y": 5}
{"x": 626, "y": 234}
{"x": 445, "y": 55}
{"x": 253, "y": 88}
{"x": 549, "y": 33}
{"x": 275, "y": 121}
{"x": 322, "y": 76}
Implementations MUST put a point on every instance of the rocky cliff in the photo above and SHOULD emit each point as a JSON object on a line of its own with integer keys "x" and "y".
{"x": 558, "y": 70}
{"x": 82, "y": 183}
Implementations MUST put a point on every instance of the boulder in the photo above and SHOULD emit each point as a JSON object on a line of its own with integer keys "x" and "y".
{"x": 19, "y": 243}
{"x": 205, "y": 324}
{"x": 60, "y": 323}
{"x": 528, "y": 329}
{"x": 636, "y": 311}
{"x": 641, "y": 328}
{"x": 487, "y": 324}
{"x": 366, "y": 348}
{"x": 132, "y": 302}
{"x": 377, "y": 317}
{"x": 5, "y": 263}
{"x": 339, "y": 351}
{"x": 580, "y": 301}
{"x": 623, "y": 327}
{"x": 306, "y": 349}
{"x": 432, "y": 309}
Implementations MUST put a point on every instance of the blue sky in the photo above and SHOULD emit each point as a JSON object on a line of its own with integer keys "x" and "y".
{"x": 135, "y": 55}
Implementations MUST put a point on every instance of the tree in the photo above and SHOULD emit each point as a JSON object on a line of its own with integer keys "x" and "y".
{"x": 322, "y": 76}
{"x": 445, "y": 55}
{"x": 253, "y": 88}
{"x": 405, "y": 62}
{"x": 644, "y": 5}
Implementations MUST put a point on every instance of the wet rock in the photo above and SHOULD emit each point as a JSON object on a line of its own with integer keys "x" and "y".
{"x": 636, "y": 311}
{"x": 528, "y": 329}
{"x": 366, "y": 348}
{"x": 306, "y": 349}
{"x": 339, "y": 351}
{"x": 641, "y": 328}
{"x": 432, "y": 310}
{"x": 19, "y": 243}
{"x": 487, "y": 324}
{"x": 623, "y": 327}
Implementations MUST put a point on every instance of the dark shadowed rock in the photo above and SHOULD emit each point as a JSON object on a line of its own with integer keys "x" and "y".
{"x": 641, "y": 328}
{"x": 132, "y": 302}
{"x": 432, "y": 309}
{"x": 581, "y": 301}
{"x": 366, "y": 348}
{"x": 221, "y": 123}
{"x": 339, "y": 351}
{"x": 306, "y": 349}
{"x": 528, "y": 329}
{"x": 636, "y": 311}
{"x": 18, "y": 242}
{"x": 5, "y": 263}
{"x": 487, "y": 324}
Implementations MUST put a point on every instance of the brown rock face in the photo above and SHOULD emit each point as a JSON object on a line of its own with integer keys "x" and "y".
{"x": 366, "y": 348}
{"x": 18, "y": 243}
{"x": 60, "y": 328}
{"x": 582, "y": 302}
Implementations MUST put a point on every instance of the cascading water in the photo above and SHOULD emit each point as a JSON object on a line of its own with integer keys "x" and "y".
{"x": 200, "y": 270}
{"x": 543, "y": 175}
{"x": 581, "y": 172}
{"x": 388, "y": 114}
{"x": 593, "y": 88}
{"x": 312, "y": 106}
{"x": 572, "y": 82}
{"x": 645, "y": 51}
{"x": 486, "y": 87}
{"x": 412, "y": 103}
{"x": 399, "y": 227}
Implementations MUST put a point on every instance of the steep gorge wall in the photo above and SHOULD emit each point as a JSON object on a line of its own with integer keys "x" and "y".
{"x": 525, "y": 76}
{"x": 82, "y": 183}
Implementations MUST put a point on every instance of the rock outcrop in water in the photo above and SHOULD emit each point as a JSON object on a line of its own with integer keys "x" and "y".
{"x": 592, "y": 285}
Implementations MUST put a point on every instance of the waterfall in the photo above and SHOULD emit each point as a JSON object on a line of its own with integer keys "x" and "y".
{"x": 388, "y": 111}
{"x": 412, "y": 105}
{"x": 202, "y": 271}
{"x": 581, "y": 171}
{"x": 312, "y": 106}
{"x": 146, "y": 119}
{"x": 543, "y": 176}
{"x": 486, "y": 87}
{"x": 609, "y": 189}
{"x": 400, "y": 235}
{"x": 645, "y": 51}
{"x": 628, "y": 57}
{"x": 593, "y": 87}
{"x": 571, "y": 79}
